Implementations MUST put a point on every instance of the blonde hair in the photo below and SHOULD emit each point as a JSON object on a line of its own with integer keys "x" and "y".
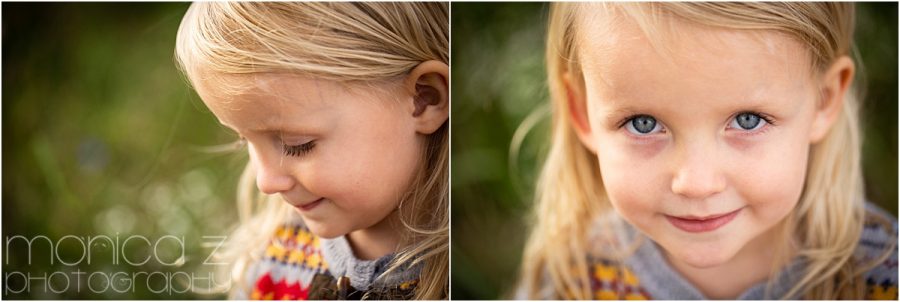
{"x": 827, "y": 223}
{"x": 354, "y": 43}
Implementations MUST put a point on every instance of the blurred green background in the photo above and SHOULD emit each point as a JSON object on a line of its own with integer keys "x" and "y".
{"x": 103, "y": 136}
{"x": 499, "y": 79}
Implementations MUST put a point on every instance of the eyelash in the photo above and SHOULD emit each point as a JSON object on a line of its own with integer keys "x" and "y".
{"x": 298, "y": 150}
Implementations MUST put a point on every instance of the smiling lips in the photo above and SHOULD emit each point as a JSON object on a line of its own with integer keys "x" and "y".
{"x": 693, "y": 224}
{"x": 309, "y": 206}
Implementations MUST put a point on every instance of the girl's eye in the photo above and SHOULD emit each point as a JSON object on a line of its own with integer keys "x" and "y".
{"x": 299, "y": 150}
{"x": 642, "y": 125}
{"x": 748, "y": 121}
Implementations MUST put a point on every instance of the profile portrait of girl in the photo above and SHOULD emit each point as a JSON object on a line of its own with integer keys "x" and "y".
{"x": 343, "y": 109}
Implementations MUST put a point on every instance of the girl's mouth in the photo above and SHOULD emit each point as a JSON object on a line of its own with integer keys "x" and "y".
{"x": 310, "y": 205}
{"x": 694, "y": 224}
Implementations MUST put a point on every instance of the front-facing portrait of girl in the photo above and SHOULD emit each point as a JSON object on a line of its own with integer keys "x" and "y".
{"x": 343, "y": 109}
{"x": 705, "y": 151}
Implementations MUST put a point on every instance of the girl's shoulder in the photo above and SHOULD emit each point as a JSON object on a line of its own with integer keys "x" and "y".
{"x": 878, "y": 248}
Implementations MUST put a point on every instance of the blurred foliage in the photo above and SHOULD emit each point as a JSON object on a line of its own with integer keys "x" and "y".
{"x": 103, "y": 136}
{"x": 499, "y": 79}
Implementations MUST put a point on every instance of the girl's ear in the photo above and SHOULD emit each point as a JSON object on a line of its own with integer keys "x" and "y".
{"x": 578, "y": 112}
{"x": 835, "y": 83}
{"x": 427, "y": 83}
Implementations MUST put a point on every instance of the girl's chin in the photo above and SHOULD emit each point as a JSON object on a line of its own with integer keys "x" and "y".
{"x": 703, "y": 257}
{"x": 703, "y": 262}
{"x": 323, "y": 231}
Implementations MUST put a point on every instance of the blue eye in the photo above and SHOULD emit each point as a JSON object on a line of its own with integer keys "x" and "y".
{"x": 642, "y": 125}
{"x": 748, "y": 121}
{"x": 299, "y": 150}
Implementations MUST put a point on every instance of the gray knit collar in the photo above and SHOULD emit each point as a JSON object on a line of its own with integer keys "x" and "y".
{"x": 363, "y": 274}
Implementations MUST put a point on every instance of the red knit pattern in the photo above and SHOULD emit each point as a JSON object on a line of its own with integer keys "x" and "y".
{"x": 265, "y": 289}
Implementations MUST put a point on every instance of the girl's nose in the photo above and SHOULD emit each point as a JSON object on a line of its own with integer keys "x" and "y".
{"x": 698, "y": 175}
{"x": 271, "y": 180}
{"x": 271, "y": 176}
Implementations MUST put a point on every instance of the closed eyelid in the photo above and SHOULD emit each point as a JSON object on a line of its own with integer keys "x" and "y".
{"x": 294, "y": 139}
{"x": 298, "y": 150}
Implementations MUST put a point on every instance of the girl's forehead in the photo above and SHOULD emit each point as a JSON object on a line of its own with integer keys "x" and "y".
{"x": 261, "y": 101}
{"x": 633, "y": 58}
{"x": 281, "y": 87}
{"x": 240, "y": 86}
{"x": 268, "y": 100}
{"x": 607, "y": 30}
{"x": 262, "y": 90}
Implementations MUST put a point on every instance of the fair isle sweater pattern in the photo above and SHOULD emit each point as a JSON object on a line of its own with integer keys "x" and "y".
{"x": 295, "y": 257}
{"x": 292, "y": 258}
{"x": 881, "y": 281}
{"x": 612, "y": 282}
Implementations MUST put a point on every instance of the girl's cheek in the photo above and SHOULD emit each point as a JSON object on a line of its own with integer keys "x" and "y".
{"x": 633, "y": 202}
{"x": 629, "y": 165}
{"x": 328, "y": 179}
{"x": 770, "y": 175}
{"x": 632, "y": 179}
{"x": 314, "y": 179}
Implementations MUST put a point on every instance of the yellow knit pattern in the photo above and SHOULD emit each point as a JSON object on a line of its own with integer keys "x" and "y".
{"x": 612, "y": 282}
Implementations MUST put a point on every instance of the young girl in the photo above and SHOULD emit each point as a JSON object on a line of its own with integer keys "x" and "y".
{"x": 705, "y": 150}
{"x": 343, "y": 108}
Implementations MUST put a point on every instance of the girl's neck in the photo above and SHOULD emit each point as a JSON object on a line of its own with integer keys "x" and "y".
{"x": 751, "y": 265}
{"x": 376, "y": 241}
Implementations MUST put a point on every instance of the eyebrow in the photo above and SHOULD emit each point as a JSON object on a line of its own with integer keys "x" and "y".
{"x": 613, "y": 117}
{"x": 625, "y": 110}
{"x": 264, "y": 129}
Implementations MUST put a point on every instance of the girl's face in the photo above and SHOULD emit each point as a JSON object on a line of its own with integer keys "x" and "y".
{"x": 702, "y": 139}
{"x": 341, "y": 157}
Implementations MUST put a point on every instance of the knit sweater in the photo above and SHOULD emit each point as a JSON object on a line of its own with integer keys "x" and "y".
{"x": 298, "y": 265}
{"x": 647, "y": 275}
